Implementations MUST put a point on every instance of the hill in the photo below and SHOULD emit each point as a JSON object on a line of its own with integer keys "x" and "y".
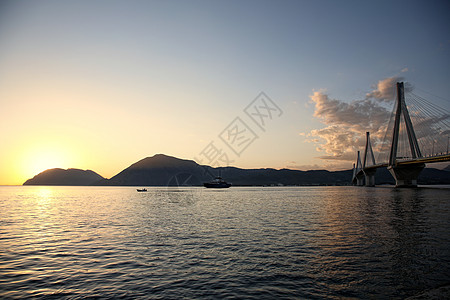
{"x": 64, "y": 177}
{"x": 160, "y": 170}
{"x": 163, "y": 170}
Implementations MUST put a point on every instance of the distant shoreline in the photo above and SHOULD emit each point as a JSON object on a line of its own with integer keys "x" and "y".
{"x": 421, "y": 186}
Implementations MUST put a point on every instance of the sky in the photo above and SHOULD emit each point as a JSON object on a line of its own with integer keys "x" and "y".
{"x": 100, "y": 85}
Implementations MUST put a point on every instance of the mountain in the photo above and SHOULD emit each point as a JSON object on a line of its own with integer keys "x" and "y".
{"x": 163, "y": 170}
{"x": 64, "y": 177}
{"x": 160, "y": 170}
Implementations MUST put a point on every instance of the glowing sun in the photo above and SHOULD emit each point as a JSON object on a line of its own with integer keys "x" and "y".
{"x": 40, "y": 158}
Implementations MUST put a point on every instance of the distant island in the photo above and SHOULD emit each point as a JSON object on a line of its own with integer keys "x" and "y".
{"x": 163, "y": 170}
{"x": 65, "y": 177}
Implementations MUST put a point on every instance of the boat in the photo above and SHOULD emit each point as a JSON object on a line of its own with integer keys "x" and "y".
{"x": 217, "y": 183}
{"x": 141, "y": 190}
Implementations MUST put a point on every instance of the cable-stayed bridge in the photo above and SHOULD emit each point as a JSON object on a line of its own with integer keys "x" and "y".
{"x": 418, "y": 133}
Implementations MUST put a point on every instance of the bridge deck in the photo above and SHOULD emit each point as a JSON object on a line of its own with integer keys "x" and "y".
{"x": 431, "y": 159}
{"x": 416, "y": 161}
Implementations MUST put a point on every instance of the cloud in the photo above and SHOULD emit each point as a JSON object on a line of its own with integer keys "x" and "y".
{"x": 386, "y": 89}
{"x": 404, "y": 70}
{"x": 359, "y": 114}
{"x": 347, "y": 122}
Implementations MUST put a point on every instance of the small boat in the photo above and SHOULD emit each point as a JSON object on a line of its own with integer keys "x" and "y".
{"x": 217, "y": 183}
{"x": 141, "y": 190}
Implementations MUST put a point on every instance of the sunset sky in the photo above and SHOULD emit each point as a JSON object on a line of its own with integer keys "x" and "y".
{"x": 102, "y": 84}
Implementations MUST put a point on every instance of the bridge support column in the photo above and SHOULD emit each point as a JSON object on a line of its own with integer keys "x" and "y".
{"x": 370, "y": 176}
{"x": 360, "y": 179}
{"x": 406, "y": 176}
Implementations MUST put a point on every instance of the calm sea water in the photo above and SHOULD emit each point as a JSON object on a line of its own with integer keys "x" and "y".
{"x": 172, "y": 243}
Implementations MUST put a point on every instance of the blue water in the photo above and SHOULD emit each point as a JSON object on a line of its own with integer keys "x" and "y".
{"x": 252, "y": 243}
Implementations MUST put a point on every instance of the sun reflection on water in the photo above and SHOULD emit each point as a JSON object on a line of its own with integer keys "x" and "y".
{"x": 44, "y": 194}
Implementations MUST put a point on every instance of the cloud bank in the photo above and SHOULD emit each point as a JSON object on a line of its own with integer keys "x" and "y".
{"x": 347, "y": 122}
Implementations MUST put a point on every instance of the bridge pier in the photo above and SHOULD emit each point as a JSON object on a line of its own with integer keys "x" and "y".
{"x": 406, "y": 176}
{"x": 370, "y": 176}
{"x": 359, "y": 179}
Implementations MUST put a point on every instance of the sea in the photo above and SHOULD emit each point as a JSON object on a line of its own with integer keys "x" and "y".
{"x": 236, "y": 243}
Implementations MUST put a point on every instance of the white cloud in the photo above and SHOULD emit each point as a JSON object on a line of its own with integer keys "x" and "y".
{"x": 347, "y": 122}
{"x": 359, "y": 114}
{"x": 386, "y": 89}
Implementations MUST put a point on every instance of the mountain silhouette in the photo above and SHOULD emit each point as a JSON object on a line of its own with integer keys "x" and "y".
{"x": 163, "y": 170}
{"x": 64, "y": 177}
{"x": 160, "y": 170}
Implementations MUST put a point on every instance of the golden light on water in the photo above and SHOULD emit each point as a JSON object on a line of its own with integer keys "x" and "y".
{"x": 44, "y": 194}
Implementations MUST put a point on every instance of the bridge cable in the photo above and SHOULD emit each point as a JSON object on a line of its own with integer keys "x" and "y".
{"x": 384, "y": 148}
{"x": 431, "y": 123}
{"x": 424, "y": 124}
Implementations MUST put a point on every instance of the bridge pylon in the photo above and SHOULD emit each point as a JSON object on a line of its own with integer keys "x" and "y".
{"x": 369, "y": 173}
{"x": 404, "y": 175}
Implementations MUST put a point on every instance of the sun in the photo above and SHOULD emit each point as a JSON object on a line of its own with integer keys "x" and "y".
{"x": 43, "y": 157}
{"x": 46, "y": 160}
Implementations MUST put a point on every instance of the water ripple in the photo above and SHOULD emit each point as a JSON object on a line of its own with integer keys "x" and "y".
{"x": 253, "y": 243}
